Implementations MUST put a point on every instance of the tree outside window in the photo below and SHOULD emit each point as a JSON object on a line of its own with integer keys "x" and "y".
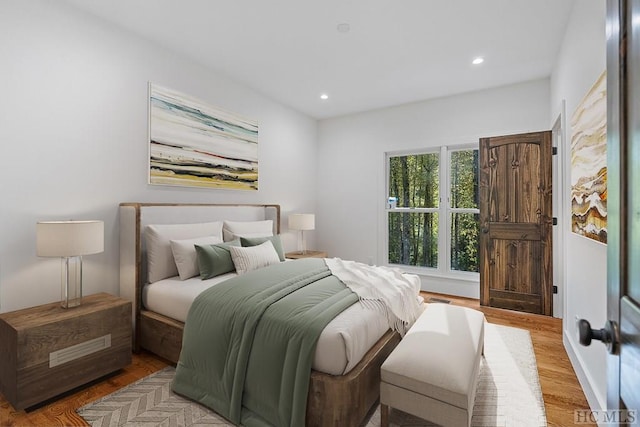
{"x": 465, "y": 217}
{"x": 420, "y": 214}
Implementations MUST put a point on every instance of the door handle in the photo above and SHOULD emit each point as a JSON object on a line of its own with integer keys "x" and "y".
{"x": 609, "y": 335}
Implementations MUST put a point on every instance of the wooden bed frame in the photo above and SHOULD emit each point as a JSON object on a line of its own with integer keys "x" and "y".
{"x": 332, "y": 400}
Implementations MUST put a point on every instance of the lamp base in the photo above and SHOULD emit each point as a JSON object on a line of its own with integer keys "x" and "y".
{"x": 71, "y": 282}
{"x": 302, "y": 244}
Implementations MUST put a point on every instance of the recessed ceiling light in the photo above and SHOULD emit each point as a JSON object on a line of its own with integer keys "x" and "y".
{"x": 324, "y": 96}
{"x": 477, "y": 61}
{"x": 344, "y": 27}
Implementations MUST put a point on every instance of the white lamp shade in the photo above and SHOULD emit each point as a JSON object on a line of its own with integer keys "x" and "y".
{"x": 302, "y": 222}
{"x": 69, "y": 238}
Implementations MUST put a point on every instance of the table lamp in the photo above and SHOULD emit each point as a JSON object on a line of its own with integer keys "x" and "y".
{"x": 302, "y": 222}
{"x": 70, "y": 240}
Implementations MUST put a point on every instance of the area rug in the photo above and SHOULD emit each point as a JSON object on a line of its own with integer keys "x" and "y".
{"x": 508, "y": 394}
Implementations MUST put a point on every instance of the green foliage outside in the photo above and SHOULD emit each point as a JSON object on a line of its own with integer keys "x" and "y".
{"x": 464, "y": 195}
{"x": 413, "y": 236}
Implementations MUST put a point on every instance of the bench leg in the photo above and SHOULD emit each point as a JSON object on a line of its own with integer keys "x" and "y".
{"x": 384, "y": 415}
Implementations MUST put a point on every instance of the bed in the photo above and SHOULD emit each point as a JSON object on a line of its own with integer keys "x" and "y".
{"x": 332, "y": 399}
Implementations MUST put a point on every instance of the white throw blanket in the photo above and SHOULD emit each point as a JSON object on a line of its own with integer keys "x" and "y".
{"x": 386, "y": 289}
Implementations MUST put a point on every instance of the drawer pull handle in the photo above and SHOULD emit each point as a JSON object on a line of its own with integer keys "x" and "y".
{"x": 77, "y": 351}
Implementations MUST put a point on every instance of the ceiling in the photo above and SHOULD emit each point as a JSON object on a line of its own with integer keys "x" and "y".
{"x": 396, "y": 51}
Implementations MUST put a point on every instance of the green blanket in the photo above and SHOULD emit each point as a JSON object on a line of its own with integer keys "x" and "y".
{"x": 249, "y": 342}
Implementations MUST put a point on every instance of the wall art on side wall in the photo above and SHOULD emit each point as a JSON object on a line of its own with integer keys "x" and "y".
{"x": 195, "y": 144}
{"x": 589, "y": 164}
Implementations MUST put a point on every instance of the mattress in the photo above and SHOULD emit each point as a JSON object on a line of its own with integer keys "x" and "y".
{"x": 341, "y": 345}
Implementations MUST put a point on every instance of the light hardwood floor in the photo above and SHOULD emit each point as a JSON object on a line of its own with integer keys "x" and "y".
{"x": 561, "y": 392}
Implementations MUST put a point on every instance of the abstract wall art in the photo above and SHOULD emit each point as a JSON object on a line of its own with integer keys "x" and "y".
{"x": 195, "y": 144}
{"x": 589, "y": 164}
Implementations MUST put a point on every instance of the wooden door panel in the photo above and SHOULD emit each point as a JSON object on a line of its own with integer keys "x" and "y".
{"x": 515, "y": 220}
{"x": 523, "y": 180}
{"x": 514, "y": 195}
{"x": 515, "y": 301}
{"x": 514, "y": 231}
{"x": 514, "y": 266}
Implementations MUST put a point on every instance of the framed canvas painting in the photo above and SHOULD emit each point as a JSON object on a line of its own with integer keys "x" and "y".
{"x": 194, "y": 144}
{"x": 589, "y": 164}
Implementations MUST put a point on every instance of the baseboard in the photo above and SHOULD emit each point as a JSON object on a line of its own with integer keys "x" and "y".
{"x": 447, "y": 286}
{"x": 584, "y": 378}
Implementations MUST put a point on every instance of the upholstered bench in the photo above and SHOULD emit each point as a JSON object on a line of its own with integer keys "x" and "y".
{"x": 433, "y": 372}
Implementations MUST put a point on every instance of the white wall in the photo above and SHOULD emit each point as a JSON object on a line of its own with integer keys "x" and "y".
{"x": 73, "y": 135}
{"x": 581, "y": 60}
{"x": 351, "y": 151}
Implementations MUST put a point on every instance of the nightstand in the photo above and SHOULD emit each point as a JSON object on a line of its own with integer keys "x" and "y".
{"x": 47, "y": 350}
{"x": 309, "y": 254}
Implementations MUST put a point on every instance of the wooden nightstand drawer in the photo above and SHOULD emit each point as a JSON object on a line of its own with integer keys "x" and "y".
{"x": 47, "y": 350}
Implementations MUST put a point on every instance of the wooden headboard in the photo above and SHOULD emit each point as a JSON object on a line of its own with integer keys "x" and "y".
{"x": 134, "y": 217}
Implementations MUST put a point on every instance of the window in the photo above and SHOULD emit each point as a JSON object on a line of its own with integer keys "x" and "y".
{"x": 433, "y": 215}
{"x": 463, "y": 208}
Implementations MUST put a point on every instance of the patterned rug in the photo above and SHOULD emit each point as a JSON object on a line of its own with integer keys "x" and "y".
{"x": 508, "y": 394}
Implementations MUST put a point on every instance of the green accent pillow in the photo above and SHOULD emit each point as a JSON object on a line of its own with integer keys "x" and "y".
{"x": 255, "y": 241}
{"x": 214, "y": 260}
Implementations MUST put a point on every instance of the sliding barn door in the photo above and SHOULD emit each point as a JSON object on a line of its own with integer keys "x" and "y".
{"x": 515, "y": 222}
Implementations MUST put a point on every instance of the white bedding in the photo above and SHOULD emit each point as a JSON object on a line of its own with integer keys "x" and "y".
{"x": 341, "y": 345}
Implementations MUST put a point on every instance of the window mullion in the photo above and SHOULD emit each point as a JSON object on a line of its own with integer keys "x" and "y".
{"x": 414, "y": 210}
{"x": 443, "y": 216}
{"x": 464, "y": 210}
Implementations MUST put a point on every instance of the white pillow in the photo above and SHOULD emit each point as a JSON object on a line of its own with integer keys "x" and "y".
{"x": 160, "y": 261}
{"x": 253, "y": 257}
{"x": 236, "y": 229}
{"x": 186, "y": 257}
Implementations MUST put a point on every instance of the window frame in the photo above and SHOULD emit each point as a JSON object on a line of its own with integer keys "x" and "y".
{"x": 444, "y": 211}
